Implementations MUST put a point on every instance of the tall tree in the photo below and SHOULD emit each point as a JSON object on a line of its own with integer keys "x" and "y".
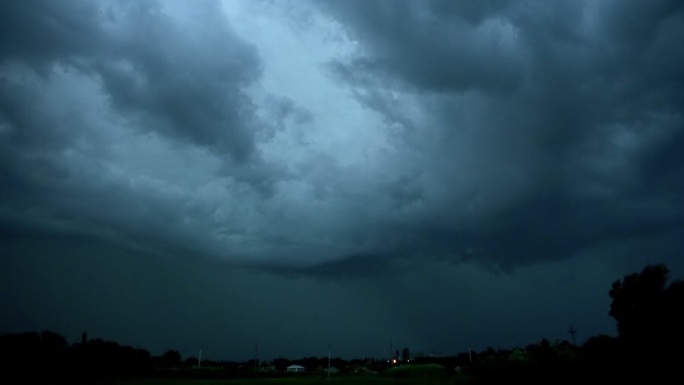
{"x": 650, "y": 318}
{"x": 639, "y": 302}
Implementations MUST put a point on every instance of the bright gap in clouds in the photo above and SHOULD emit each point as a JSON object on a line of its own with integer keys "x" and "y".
{"x": 336, "y": 153}
{"x": 312, "y": 114}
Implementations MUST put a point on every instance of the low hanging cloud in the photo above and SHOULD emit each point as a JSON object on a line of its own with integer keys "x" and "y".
{"x": 343, "y": 137}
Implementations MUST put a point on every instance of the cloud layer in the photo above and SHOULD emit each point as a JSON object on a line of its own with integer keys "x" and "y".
{"x": 508, "y": 133}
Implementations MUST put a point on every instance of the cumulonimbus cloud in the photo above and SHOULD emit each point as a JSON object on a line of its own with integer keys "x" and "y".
{"x": 509, "y": 133}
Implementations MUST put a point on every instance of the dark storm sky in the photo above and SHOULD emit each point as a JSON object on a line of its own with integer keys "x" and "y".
{"x": 428, "y": 174}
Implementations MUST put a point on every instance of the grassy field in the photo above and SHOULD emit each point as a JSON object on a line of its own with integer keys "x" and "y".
{"x": 361, "y": 380}
{"x": 424, "y": 374}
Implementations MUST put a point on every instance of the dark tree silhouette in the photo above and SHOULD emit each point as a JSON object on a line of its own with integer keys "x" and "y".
{"x": 638, "y": 302}
{"x": 170, "y": 359}
{"x": 281, "y": 364}
{"x": 405, "y": 354}
{"x": 650, "y": 318}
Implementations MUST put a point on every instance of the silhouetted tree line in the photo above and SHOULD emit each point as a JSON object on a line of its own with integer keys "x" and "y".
{"x": 48, "y": 356}
{"x": 650, "y": 344}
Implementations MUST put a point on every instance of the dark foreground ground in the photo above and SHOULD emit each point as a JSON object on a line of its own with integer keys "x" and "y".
{"x": 361, "y": 380}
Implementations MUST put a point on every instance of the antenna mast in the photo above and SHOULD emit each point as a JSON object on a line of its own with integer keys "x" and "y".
{"x": 572, "y": 332}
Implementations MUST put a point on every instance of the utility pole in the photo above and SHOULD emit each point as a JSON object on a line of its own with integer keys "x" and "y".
{"x": 256, "y": 356}
{"x": 328, "y": 359}
{"x": 199, "y": 360}
{"x": 572, "y": 332}
{"x": 391, "y": 352}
